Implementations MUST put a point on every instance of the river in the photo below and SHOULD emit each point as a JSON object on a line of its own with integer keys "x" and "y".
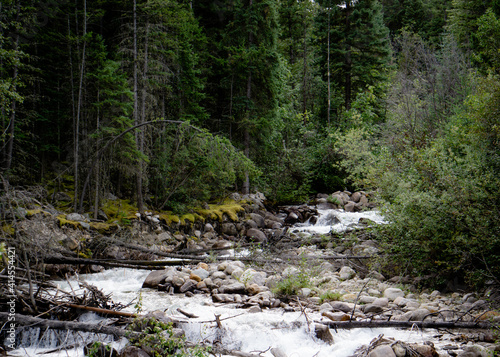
{"x": 245, "y": 331}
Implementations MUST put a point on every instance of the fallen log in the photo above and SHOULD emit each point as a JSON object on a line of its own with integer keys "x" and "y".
{"x": 23, "y": 320}
{"x": 135, "y": 264}
{"x": 102, "y": 311}
{"x": 406, "y": 324}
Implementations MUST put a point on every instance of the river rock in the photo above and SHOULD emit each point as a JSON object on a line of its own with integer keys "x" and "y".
{"x": 157, "y": 277}
{"x": 427, "y": 350}
{"x": 336, "y": 316}
{"x": 234, "y": 288}
{"x": 372, "y": 309}
{"x": 188, "y": 285}
{"x": 323, "y": 333}
{"x": 256, "y": 235}
{"x": 220, "y": 274}
{"x": 349, "y": 206}
{"x": 237, "y": 273}
{"x": 257, "y": 218}
{"x": 133, "y": 351}
{"x": 251, "y": 276}
{"x": 347, "y": 273}
{"x": 382, "y": 351}
{"x": 254, "y": 289}
{"x": 199, "y": 274}
{"x": 474, "y": 351}
{"x": 229, "y": 229}
{"x": 393, "y": 293}
{"x": 75, "y": 217}
{"x": 341, "y": 306}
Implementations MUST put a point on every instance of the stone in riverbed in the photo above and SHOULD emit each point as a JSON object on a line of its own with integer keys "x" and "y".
{"x": 235, "y": 288}
{"x": 336, "y": 316}
{"x": 188, "y": 285}
{"x": 347, "y": 273}
{"x": 340, "y": 306}
{"x": 256, "y": 235}
{"x": 382, "y": 351}
{"x": 393, "y": 293}
{"x": 133, "y": 351}
{"x": 156, "y": 277}
{"x": 323, "y": 333}
{"x": 372, "y": 309}
{"x": 199, "y": 274}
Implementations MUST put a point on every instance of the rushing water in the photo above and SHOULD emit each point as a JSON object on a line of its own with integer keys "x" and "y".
{"x": 339, "y": 221}
{"x": 292, "y": 332}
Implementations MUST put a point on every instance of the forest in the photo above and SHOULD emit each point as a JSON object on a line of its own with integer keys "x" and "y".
{"x": 173, "y": 103}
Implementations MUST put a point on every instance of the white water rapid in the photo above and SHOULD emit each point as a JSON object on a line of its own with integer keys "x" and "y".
{"x": 292, "y": 332}
{"x": 339, "y": 221}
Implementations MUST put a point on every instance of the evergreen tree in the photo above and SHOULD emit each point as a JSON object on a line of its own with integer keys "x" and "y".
{"x": 356, "y": 46}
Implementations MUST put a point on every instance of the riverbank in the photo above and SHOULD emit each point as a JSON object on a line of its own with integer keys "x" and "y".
{"x": 264, "y": 262}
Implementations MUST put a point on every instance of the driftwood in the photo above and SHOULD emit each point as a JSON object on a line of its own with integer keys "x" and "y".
{"x": 23, "y": 320}
{"x": 194, "y": 258}
{"x": 135, "y": 264}
{"x": 405, "y": 324}
{"x": 101, "y": 311}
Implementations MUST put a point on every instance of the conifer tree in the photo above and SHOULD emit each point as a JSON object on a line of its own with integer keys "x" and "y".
{"x": 356, "y": 46}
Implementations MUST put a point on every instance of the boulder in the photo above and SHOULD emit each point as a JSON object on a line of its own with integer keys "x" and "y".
{"x": 157, "y": 277}
{"x": 393, "y": 293}
{"x": 372, "y": 309}
{"x": 350, "y": 206}
{"x": 382, "y": 351}
{"x": 336, "y": 316}
{"x": 188, "y": 285}
{"x": 229, "y": 229}
{"x": 251, "y": 276}
{"x": 257, "y": 218}
{"x": 234, "y": 288}
{"x": 347, "y": 273}
{"x": 341, "y": 306}
{"x": 133, "y": 351}
{"x": 75, "y": 217}
{"x": 323, "y": 333}
{"x": 256, "y": 235}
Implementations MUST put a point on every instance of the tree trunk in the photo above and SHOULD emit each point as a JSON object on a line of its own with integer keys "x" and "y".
{"x": 79, "y": 108}
{"x": 328, "y": 68}
{"x": 406, "y": 324}
{"x": 23, "y": 320}
{"x": 140, "y": 204}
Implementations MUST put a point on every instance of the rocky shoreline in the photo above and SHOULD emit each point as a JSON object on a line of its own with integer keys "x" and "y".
{"x": 331, "y": 278}
{"x": 337, "y": 296}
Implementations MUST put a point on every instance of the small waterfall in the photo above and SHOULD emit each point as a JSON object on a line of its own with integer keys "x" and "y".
{"x": 339, "y": 221}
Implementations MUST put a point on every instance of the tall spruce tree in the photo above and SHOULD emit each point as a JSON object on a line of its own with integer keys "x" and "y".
{"x": 354, "y": 47}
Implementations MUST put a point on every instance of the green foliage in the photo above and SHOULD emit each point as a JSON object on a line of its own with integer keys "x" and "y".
{"x": 195, "y": 165}
{"x": 291, "y": 284}
{"x": 488, "y": 42}
{"x": 157, "y": 339}
{"x": 330, "y": 296}
{"x": 442, "y": 194}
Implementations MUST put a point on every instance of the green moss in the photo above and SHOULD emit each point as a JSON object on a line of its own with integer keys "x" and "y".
{"x": 119, "y": 209}
{"x": 191, "y": 217}
{"x": 230, "y": 208}
{"x": 65, "y": 222}
{"x": 169, "y": 218}
{"x": 104, "y": 228}
{"x": 8, "y": 229}
{"x": 33, "y": 212}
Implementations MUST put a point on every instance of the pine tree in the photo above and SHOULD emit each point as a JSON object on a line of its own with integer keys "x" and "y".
{"x": 356, "y": 47}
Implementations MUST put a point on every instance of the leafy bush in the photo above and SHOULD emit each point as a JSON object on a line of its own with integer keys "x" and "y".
{"x": 441, "y": 194}
{"x": 157, "y": 339}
